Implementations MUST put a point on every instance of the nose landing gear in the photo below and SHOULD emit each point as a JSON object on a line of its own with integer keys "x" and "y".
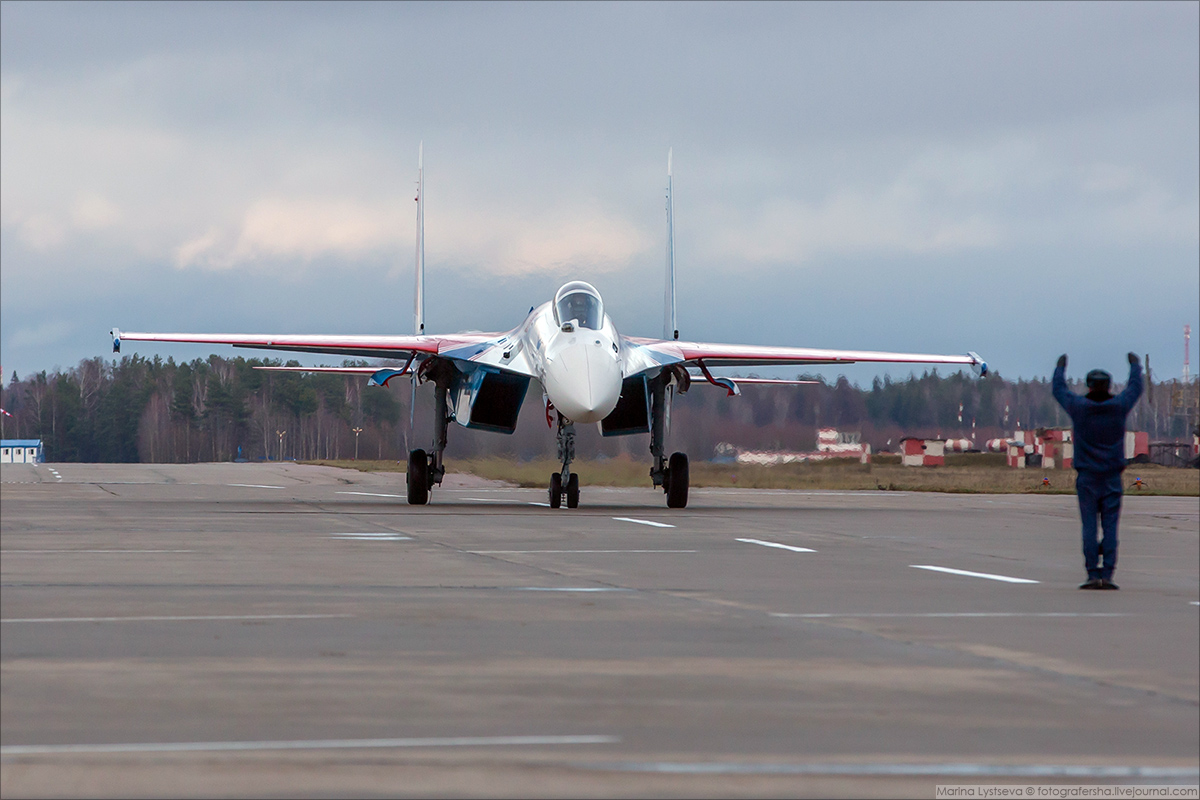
{"x": 565, "y": 483}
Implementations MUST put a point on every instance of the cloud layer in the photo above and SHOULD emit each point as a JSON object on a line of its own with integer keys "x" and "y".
{"x": 963, "y": 150}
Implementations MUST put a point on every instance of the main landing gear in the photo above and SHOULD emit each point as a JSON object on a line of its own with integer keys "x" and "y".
{"x": 565, "y": 483}
{"x": 426, "y": 470}
{"x": 671, "y": 474}
{"x": 675, "y": 482}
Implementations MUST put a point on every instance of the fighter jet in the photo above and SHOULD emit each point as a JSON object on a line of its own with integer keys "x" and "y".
{"x": 569, "y": 346}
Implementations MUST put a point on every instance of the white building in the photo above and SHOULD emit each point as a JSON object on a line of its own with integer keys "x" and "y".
{"x": 21, "y": 451}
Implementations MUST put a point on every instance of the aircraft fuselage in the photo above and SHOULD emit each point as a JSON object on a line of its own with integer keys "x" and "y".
{"x": 573, "y": 349}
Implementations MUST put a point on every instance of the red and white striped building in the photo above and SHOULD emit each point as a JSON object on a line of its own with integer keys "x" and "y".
{"x": 1056, "y": 448}
{"x": 922, "y": 452}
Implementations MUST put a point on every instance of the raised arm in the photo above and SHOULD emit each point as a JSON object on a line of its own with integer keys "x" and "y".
{"x": 1058, "y": 387}
{"x": 1133, "y": 389}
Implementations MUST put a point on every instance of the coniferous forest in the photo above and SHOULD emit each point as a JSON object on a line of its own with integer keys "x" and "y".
{"x": 148, "y": 410}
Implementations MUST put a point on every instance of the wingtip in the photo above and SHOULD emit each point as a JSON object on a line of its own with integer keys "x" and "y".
{"x": 978, "y": 364}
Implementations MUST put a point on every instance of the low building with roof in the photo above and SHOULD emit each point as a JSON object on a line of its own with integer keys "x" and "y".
{"x": 21, "y": 451}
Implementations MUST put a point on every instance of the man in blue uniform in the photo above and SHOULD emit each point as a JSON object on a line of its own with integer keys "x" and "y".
{"x": 1099, "y": 422}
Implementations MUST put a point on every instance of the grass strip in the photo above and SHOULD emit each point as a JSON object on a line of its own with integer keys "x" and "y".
{"x": 962, "y": 474}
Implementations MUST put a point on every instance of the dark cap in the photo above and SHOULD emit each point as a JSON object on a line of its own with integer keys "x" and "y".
{"x": 1098, "y": 377}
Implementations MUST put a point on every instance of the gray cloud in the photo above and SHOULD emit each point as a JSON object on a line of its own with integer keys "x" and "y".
{"x": 1020, "y": 179}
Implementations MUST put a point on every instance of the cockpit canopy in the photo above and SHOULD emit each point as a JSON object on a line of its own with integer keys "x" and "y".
{"x": 580, "y": 302}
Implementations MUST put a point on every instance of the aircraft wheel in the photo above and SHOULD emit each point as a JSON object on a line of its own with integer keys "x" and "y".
{"x": 417, "y": 478}
{"x": 573, "y": 491}
{"x": 555, "y": 490}
{"x": 677, "y": 481}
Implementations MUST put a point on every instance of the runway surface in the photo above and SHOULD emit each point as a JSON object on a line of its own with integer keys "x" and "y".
{"x": 248, "y": 629}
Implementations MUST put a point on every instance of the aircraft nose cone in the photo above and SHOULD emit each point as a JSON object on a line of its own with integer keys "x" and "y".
{"x": 583, "y": 382}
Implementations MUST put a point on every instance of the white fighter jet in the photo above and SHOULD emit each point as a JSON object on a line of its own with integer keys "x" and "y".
{"x": 587, "y": 370}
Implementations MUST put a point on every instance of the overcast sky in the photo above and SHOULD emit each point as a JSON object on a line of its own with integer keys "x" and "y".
{"x": 1017, "y": 179}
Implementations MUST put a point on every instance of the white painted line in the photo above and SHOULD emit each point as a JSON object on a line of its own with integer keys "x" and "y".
{"x": 254, "y": 486}
{"x": 652, "y": 523}
{"x": 969, "y": 574}
{"x": 777, "y": 544}
{"x": 221, "y": 617}
{"x": 884, "y": 769}
{"x": 372, "y": 494}
{"x": 314, "y": 744}
{"x": 370, "y": 537}
{"x": 488, "y": 499}
{"x": 1196, "y": 602}
{"x": 543, "y": 505}
{"x": 569, "y": 589}
{"x": 969, "y": 614}
{"x": 578, "y": 551}
{"x": 70, "y": 552}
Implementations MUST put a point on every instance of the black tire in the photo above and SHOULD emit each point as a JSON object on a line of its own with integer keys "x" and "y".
{"x": 677, "y": 481}
{"x": 417, "y": 478}
{"x": 555, "y": 490}
{"x": 573, "y": 491}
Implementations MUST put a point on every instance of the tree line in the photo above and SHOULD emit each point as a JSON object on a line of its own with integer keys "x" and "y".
{"x": 219, "y": 409}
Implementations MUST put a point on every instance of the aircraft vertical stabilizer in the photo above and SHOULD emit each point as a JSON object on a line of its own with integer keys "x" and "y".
{"x": 670, "y": 324}
{"x": 419, "y": 293}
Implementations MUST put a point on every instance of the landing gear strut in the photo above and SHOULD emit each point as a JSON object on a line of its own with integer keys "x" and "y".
{"x": 565, "y": 482}
{"x": 671, "y": 475}
{"x": 426, "y": 470}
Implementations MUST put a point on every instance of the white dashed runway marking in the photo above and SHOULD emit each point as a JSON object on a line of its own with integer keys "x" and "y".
{"x": 781, "y": 546}
{"x": 649, "y": 522}
{"x": 988, "y": 575}
{"x": 372, "y": 494}
{"x": 381, "y": 536}
{"x": 254, "y": 486}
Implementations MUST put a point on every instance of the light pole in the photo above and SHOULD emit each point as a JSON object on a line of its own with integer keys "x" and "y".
{"x": 357, "y": 431}
{"x": 280, "y": 435}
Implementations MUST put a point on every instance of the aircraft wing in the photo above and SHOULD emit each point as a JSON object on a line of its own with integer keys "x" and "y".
{"x": 483, "y": 348}
{"x": 648, "y": 353}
